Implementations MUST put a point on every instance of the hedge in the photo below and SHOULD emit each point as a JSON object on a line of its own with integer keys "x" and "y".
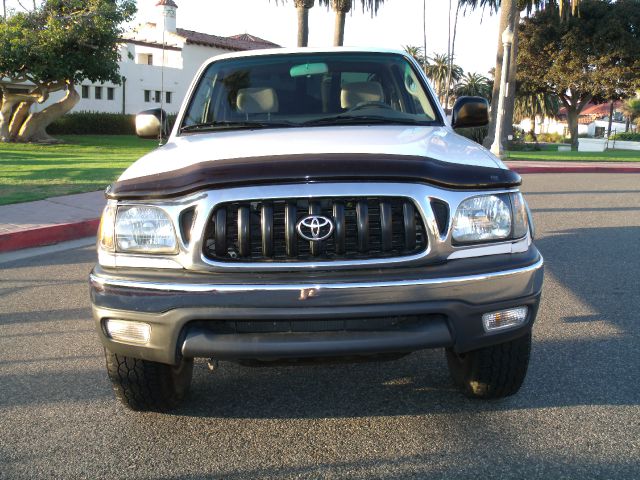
{"x": 627, "y": 136}
{"x": 93, "y": 123}
{"x": 97, "y": 123}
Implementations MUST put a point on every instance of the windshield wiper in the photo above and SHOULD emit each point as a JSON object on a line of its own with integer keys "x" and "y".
{"x": 227, "y": 125}
{"x": 364, "y": 119}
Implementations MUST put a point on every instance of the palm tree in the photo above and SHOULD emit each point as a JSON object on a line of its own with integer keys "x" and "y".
{"x": 452, "y": 46}
{"x": 631, "y": 110}
{"x": 416, "y": 53}
{"x": 303, "y": 7}
{"x": 532, "y": 105}
{"x": 474, "y": 85}
{"x": 438, "y": 72}
{"x": 341, "y": 8}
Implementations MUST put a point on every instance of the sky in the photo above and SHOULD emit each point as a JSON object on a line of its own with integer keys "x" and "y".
{"x": 398, "y": 23}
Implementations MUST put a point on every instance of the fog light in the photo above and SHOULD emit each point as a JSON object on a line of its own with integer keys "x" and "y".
{"x": 125, "y": 331}
{"x": 504, "y": 319}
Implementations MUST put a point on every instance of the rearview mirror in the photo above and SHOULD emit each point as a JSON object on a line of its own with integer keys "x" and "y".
{"x": 470, "y": 112}
{"x": 151, "y": 123}
{"x": 308, "y": 69}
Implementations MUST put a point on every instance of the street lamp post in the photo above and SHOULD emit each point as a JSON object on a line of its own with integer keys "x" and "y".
{"x": 507, "y": 40}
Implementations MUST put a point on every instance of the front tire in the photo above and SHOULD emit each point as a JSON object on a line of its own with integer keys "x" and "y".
{"x": 148, "y": 386}
{"x": 491, "y": 372}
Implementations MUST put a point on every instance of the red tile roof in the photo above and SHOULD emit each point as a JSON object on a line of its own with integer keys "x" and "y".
{"x": 168, "y": 3}
{"x": 237, "y": 42}
{"x": 593, "y": 110}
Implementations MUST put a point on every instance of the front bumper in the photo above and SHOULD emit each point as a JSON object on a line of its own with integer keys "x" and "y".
{"x": 451, "y": 298}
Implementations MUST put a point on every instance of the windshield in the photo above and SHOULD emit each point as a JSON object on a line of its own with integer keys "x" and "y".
{"x": 310, "y": 89}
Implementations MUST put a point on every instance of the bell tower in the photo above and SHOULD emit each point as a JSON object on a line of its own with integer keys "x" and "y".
{"x": 167, "y": 15}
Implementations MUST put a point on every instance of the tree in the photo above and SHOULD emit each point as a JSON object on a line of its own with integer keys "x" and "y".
{"x": 474, "y": 85}
{"x": 303, "y": 6}
{"x": 451, "y": 48}
{"x": 593, "y": 57}
{"x": 341, "y": 8}
{"x": 509, "y": 16}
{"x": 532, "y": 105}
{"x": 52, "y": 48}
{"x": 631, "y": 110}
{"x": 415, "y": 52}
{"x": 438, "y": 72}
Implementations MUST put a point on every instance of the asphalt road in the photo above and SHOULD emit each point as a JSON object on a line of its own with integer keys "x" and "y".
{"x": 577, "y": 415}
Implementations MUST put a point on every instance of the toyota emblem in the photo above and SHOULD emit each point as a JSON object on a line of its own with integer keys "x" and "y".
{"x": 315, "y": 228}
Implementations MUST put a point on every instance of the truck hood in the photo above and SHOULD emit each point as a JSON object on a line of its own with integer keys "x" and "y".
{"x": 435, "y": 143}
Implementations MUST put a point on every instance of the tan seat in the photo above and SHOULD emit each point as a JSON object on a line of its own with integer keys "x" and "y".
{"x": 356, "y": 93}
{"x": 257, "y": 100}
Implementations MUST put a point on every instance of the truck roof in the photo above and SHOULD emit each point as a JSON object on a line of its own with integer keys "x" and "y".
{"x": 294, "y": 50}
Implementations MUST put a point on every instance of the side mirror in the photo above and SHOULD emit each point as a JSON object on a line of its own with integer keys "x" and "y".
{"x": 152, "y": 123}
{"x": 470, "y": 112}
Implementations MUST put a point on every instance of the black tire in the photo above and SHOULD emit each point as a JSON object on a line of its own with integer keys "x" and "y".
{"x": 491, "y": 372}
{"x": 148, "y": 386}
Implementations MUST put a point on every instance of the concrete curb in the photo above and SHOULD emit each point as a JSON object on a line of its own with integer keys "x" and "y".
{"x": 41, "y": 236}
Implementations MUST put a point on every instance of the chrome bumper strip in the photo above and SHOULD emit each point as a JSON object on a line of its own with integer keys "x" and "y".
{"x": 208, "y": 288}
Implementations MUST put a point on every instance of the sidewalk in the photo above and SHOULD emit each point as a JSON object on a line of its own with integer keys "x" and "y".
{"x": 58, "y": 219}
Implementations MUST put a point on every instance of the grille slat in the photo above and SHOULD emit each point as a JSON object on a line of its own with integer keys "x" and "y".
{"x": 266, "y": 225}
{"x": 409, "y": 226}
{"x": 244, "y": 231}
{"x": 221, "y": 232}
{"x": 291, "y": 239}
{"x": 339, "y": 234}
{"x": 362, "y": 214}
{"x": 265, "y": 231}
{"x": 386, "y": 225}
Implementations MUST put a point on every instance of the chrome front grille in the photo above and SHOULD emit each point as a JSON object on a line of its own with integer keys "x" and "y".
{"x": 265, "y": 230}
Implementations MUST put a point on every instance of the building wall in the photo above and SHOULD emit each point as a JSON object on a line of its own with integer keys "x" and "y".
{"x": 180, "y": 68}
{"x": 551, "y": 125}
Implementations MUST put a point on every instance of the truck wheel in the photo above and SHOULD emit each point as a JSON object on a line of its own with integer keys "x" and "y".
{"x": 491, "y": 372}
{"x": 144, "y": 385}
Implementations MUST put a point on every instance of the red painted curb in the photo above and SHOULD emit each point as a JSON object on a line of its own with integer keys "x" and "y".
{"x": 39, "y": 237}
{"x": 552, "y": 169}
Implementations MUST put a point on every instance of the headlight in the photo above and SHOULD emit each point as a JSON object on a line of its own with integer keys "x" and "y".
{"x": 483, "y": 218}
{"x": 142, "y": 229}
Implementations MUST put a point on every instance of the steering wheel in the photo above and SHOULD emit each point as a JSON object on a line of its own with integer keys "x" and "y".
{"x": 362, "y": 105}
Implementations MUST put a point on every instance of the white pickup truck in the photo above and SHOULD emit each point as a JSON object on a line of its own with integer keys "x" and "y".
{"x": 312, "y": 205}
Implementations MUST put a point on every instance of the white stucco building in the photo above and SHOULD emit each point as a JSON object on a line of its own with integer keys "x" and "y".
{"x": 593, "y": 121}
{"x": 141, "y": 63}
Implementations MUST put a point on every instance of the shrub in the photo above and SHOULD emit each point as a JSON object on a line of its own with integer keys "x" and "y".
{"x": 627, "y": 136}
{"x": 519, "y": 146}
{"x": 93, "y": 123}
{"x": 550, "y": 138}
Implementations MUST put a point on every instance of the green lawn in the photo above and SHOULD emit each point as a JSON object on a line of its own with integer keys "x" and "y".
{"x": 555, "y": 156}
{"x": 84, "y": 163}
{"x": 91, "y": 162}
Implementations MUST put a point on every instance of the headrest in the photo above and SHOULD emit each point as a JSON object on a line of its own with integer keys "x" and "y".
{"x": 360, "y": 92}
{"x": 257, "y": 100}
